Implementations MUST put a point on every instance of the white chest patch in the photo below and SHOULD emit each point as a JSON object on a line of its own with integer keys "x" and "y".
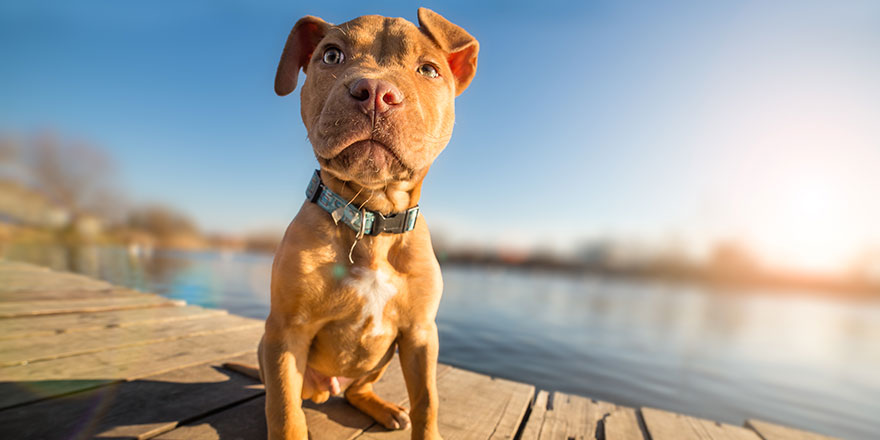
{"x": 375, "y": 287}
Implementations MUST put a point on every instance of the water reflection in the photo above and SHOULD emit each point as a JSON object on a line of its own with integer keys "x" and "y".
{"x": 725, "y": 355}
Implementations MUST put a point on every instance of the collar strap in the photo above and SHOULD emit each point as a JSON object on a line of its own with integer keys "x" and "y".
{"x": 362, "y": 221}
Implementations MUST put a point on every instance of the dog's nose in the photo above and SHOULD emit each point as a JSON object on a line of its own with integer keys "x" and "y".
{"x": 376, "y": 94}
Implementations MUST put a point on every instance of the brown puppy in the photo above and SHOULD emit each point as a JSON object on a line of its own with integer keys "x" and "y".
{"x": 378, "y": 106}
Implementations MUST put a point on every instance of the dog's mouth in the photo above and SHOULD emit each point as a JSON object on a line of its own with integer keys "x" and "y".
{"x": 374, "y": 153}
{"x": 370, "y": 159}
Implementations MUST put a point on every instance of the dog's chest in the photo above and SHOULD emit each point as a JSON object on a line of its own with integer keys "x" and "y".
{"x": 374, "y": 288}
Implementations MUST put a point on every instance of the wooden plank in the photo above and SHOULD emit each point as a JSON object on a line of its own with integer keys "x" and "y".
{"x": 513, "y": 414}
{"x": 623, "y": 424}
{"x": 332, "y": 420}
{"x": 25, "y": 350}
{"x": 35, "y": 308}
{"x": 771, "y": 431}
{"x": 7, "y": 266}
{"x": 559, "y": 415}
{"x": 15, "y": 268}
{"x": 13, "y": 280}
{"x": 27, "y": 383}
{"x": 570, "y": 417}
{"x": 136, "y": 409}
{"x": 241, "y": 422}
{"x": 567, "y": 416}
{"x": 32, "y": 327}
{"x": 663, "y": 425}
{"x": 532, "y": 430}
{"x": 43, "y": 295}
{"x": 472, "y": 406}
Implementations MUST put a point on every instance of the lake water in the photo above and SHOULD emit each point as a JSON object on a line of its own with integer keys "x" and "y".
{"x": 803, "y": 361}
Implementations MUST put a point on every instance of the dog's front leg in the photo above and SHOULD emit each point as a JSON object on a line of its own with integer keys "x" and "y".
{"x": 283, "y": 354}
{"x": 418, "y": 359}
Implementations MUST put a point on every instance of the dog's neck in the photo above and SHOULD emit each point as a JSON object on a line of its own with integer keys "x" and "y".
{"x": 393, "y": 197}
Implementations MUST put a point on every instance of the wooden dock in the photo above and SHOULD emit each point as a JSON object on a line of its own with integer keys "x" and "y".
{"x": 80, "y": 358}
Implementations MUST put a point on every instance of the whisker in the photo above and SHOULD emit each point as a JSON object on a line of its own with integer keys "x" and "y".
{"x": 355, "y": 196}
{"x": 365, "y": 201}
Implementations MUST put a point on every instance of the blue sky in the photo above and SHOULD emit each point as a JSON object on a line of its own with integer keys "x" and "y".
{"x": 686, "y": 121}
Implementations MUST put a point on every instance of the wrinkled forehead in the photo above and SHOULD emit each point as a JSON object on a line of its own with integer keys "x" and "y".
{"x": 385, "y": 39}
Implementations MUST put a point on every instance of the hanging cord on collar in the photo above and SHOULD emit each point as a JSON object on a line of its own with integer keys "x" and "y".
{"x": 339, "y": 212}
{"x": 360, "y": 233}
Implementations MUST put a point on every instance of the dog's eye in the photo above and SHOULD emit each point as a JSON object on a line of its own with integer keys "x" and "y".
{"x": 333, "y": 55}
{"x": 428, "y": 71}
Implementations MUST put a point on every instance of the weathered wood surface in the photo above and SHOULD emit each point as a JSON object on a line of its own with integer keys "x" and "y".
{"x": 770, "y": 431}
{"x": 36, "y": 280}
{"x": 30, "y": 327}
{"x": 25, "y": 350}
{"x": 334, "y": 419}
{"x": 564, "y": 416}
{"x": 141, "y": 408}
{"x": 664, "y": 425}
{"x": 25, "y": 383}
{"x": 532, "y": 428}
{"x": 21, "y": 277}
{"x": 473, "y": 406}
{"x": 80, "y": 358}
{"x": 43, "y": 295}
{"x": 624, "y": 424}
{"x": 17, "y": 267}
{"x": 16, "y": 309}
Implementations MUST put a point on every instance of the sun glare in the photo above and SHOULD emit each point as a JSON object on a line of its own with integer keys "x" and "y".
{"x": 806, "y": 225}
{"x": 804, "y": 174}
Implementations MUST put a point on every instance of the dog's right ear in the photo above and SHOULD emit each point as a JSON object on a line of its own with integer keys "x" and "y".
{"x": 301, "y": 43}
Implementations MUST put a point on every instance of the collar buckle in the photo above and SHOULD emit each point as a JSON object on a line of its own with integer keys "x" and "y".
{"x": 396, "y": 223}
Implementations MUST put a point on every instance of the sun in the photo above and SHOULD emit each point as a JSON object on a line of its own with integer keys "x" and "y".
{"x": 804, "y": 223}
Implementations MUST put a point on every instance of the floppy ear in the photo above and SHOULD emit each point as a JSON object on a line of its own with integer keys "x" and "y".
{"x": 461, "y": 48}
{"x": 302, "y": 41}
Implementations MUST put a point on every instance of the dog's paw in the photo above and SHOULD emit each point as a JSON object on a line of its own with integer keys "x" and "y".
{"x": 320, "y": 397}
{"x": 388, "y": 414}
{"x": 395, "y": 418}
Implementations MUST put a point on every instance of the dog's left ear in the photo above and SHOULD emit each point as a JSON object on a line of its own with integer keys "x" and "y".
{"x": 301, "y": 43}
{"x": 460, "y": 46}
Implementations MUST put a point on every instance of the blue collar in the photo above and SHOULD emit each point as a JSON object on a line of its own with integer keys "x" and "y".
{"x": 363, "y": 221}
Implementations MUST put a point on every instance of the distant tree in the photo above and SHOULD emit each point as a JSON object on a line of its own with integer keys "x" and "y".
{"x": 866, "y": 267}
{"x": 76, "y": 176}
{"x": 9, "y": 150}
{"x": 732, "y": 258}
{"x": 161, "y": 221}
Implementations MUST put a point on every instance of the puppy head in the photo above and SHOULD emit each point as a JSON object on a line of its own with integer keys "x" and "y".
{"x": 378, "y": 100}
